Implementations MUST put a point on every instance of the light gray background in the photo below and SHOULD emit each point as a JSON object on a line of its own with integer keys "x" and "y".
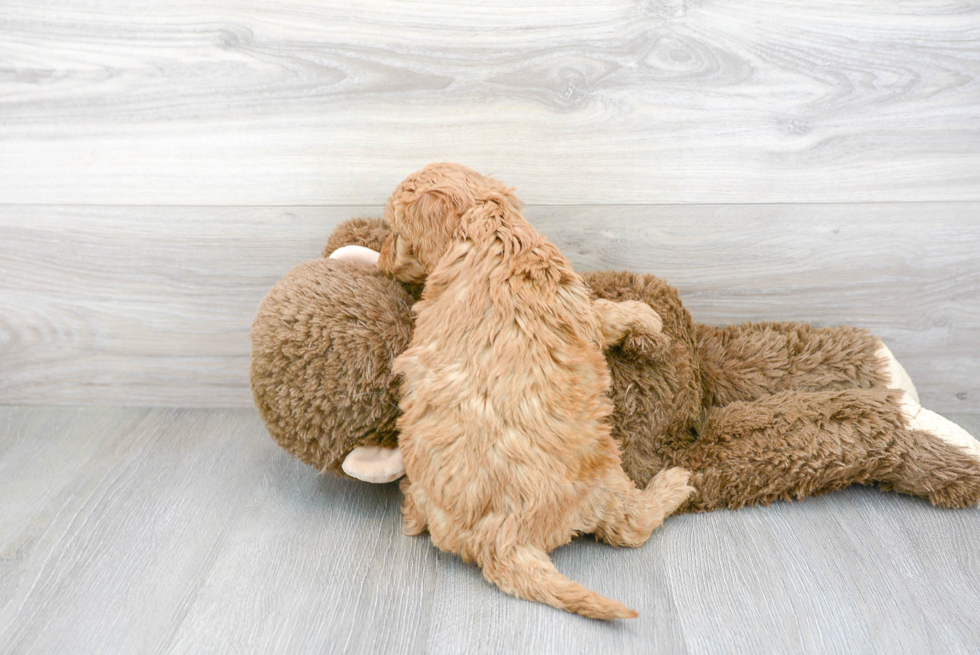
{"x": 163, "y": 164}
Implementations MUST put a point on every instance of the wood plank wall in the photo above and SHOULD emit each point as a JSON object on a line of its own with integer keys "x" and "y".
{"x": 162, "y": 165}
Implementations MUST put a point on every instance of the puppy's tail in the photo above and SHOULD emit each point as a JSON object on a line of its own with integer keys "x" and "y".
{"x": 527, "y": 572}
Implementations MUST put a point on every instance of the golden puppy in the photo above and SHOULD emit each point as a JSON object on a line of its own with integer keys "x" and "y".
{"x": 504, "y": 430}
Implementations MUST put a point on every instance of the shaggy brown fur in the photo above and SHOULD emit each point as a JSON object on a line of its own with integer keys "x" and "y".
{"x": 769, "y": 411}
{"x": 320, "y": 399}
{"x": 504, "y": 431}
{"x": 697, "y": 396}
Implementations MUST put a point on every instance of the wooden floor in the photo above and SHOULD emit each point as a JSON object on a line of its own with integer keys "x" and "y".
{"x": 163, "y": 164}
{"x": 188, "y": 530}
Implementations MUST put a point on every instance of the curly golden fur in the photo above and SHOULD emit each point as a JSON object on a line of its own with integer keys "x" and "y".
{"x": 505, "y": 428}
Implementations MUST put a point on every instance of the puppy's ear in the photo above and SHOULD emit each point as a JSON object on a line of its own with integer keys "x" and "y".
{"x": 386, "y": 255}
{"x": 398, "y": 260}
{"x": 511, "y": 197}
{"x": 432, "y": 219}
{"x": 435, "y": 206}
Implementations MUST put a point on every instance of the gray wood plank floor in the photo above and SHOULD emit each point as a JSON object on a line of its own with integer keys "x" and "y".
{"x": 189, "y": 531}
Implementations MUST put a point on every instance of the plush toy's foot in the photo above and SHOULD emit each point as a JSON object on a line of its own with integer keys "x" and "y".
{"x": 924, "y": 420}
{"x": 897, "y": 377}
{"x": 942, "y": 462}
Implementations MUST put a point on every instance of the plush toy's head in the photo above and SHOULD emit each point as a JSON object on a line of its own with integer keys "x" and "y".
{"x": 322, "y": 345}
{"x": 325, "y": 336}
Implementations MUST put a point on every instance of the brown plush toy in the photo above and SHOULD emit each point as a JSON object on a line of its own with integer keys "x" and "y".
{"x": 757, "y": 412}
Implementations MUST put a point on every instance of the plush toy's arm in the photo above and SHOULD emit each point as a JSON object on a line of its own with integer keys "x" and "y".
{"x": 632, "y": 324}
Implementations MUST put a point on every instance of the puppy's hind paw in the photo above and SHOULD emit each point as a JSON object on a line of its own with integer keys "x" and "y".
{"x": 641, "y": 317}
{"x": 670, "y": 489}
{"x": 413, "y": 520}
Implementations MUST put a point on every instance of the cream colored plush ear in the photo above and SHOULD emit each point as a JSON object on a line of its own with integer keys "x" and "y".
{"x": 374, "y": 464}
{"x": 358, "y": 254}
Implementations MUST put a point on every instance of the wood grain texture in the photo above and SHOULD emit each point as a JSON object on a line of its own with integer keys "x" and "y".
{"x": 629, "y": 101}
{"x": 189, "y": 531}
{"x": 152, "y": 306}
{"x": 162, "y": 165}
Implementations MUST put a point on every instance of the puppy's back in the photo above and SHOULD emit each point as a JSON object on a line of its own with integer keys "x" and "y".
{"x": 505, "y": 382}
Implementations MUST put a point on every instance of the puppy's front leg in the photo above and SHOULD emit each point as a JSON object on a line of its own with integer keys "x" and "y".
{"x": 413, "y": 519}
{"x": 632, "y": 323}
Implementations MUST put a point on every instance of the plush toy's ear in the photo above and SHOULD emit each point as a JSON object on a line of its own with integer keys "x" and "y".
{"x": 358, "y": 254}
{"x": 367, "y": 232}
{"x": 375, "y": 464}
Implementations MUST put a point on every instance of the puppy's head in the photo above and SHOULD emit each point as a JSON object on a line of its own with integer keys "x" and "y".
{"x": 425, "y": 213}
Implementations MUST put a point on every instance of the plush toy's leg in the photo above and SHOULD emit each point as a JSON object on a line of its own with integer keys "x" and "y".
{"x": 796, "y": 444}
{"x": 750, "y": 361}
{"x": 929, "y": 470}
{"x": 924, "y": 420}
